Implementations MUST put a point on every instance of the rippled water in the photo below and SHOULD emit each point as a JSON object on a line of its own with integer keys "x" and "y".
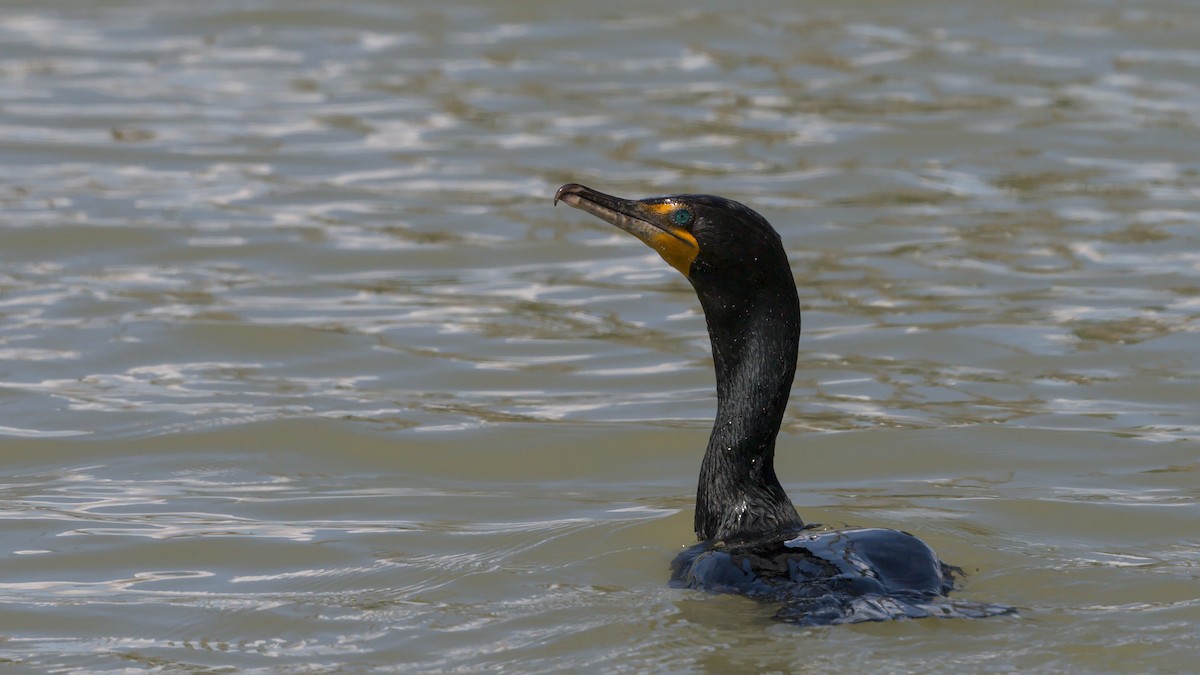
{"x": 300, "y": 370}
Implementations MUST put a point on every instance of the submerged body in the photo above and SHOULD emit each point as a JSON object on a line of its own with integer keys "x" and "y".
{"x": 825, "y": 577}
{"x": 752, "y": 541}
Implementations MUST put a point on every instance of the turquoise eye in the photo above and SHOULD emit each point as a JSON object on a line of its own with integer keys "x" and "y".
{"x": 683, "y": 217}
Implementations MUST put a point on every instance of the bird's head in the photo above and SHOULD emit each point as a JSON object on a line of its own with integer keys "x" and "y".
{"x": 717, "y": 243}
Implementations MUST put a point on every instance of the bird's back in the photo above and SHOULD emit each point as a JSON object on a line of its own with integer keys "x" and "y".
{"x": 822, "y": 577}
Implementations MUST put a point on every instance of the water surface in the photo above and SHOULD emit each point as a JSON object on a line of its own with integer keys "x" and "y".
{"x": 301, "y": 371}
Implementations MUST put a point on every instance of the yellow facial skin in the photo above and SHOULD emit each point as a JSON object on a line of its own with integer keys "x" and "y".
{"x": 661, "y": 210}
{"x": 677, "y": 246}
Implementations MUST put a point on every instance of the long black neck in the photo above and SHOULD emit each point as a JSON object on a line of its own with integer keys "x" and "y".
{"x": 754, "y": 341}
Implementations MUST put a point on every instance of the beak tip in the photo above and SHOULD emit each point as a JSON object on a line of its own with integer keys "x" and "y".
{"x": 568, "y": 189}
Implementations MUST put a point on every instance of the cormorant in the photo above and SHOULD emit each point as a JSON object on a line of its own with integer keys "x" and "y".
{"x": 752, "y": 541}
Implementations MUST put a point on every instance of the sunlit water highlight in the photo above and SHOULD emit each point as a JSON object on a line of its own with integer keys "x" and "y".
{"x": 301, "y": 371}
